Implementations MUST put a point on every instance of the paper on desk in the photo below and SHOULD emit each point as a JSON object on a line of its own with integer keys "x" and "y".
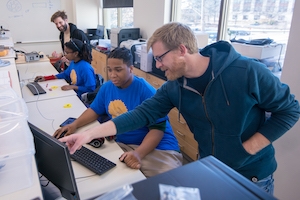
{"x": 5, "y": 78}
{"x": 169, "y": 192}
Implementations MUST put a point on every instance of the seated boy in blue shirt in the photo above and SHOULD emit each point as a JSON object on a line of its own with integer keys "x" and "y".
{"x": 153, "y": 149}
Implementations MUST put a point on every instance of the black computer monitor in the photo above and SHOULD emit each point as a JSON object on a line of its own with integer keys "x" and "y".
{"x": 53, "y": 162}
{"x": 100, "y": 31}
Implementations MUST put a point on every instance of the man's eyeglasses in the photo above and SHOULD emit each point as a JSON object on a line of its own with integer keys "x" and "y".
{"x": 75, "y": 45}
{"x": 159, "y": 58}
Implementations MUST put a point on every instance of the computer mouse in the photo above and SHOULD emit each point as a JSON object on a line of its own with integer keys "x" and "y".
{"x": 110, "y": 138}
{"x": 62, "y": 134}
{"x": 97, "y": 142}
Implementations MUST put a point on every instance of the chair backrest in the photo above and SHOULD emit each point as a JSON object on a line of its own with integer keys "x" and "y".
{"x": 99, "y": 80}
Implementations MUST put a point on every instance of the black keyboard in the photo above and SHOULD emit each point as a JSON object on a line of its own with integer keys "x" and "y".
{"x": 35, "y": 88}
{"x": 92, "y": 160}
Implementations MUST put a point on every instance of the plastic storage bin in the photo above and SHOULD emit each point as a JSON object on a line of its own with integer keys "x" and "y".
{"x": 15, "y": 172}
{"x": 16, "y": 143}
{"x": 11, "y": 106}
{"x": 15, "y": 137}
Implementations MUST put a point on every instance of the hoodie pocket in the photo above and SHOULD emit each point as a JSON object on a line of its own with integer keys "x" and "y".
{"x": 229, "y": 149}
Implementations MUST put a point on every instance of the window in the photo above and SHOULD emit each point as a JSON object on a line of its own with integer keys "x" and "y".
{"x": 281, "y": 17}
{"x": 242, "y": 19}
{"x": 236, "y": 5}
{"x": 201, "y": 16}
{"x": 117, "y": 13}
{"x": 118, "y": 17}
{"x": 270, "y": 7}
{"x": 258, "y": 5}
{"x": 256, "y": 17}
{"x": 283, "y": 6}
{"x": 247, "y": 6}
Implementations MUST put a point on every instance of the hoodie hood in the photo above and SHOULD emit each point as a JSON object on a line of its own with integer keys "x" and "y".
{"x": 221, "y": 54}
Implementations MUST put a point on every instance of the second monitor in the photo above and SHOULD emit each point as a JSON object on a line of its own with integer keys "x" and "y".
{"x": 100, "y": 31}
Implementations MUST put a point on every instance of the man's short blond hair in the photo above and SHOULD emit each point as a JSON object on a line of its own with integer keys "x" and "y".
{"x": 172, "y": 35}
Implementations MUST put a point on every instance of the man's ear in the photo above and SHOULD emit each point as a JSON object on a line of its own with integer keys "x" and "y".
{"x": 183, "y": 50}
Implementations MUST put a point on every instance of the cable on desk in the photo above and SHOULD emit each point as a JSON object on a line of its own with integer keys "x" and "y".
{"x": 41, "y": 176}
{"x": 82, "y": 177}
{"x": 46, "y": 183}
{"x": 37, "y": 107}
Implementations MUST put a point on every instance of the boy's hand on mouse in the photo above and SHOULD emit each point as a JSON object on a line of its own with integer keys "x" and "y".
{"x": 39, "y": 79}
{"x": 68, "y": 128}
{"x": 131, "y": 159}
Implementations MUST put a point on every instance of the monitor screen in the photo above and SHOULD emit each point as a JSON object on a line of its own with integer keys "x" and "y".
{"x": 100, "y": 31}
{"x": 53, "y": 162}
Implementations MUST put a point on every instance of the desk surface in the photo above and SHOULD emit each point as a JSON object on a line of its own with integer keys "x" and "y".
{"x": 214, "y": 179}
{"x": 49, "y": 114}
{"x": 13, "y": 75}
{"x": 52, "y": 88}
{"x": 29, "y": 71}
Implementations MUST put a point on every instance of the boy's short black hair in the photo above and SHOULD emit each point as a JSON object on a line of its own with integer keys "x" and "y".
{"x": 123, "y": 54}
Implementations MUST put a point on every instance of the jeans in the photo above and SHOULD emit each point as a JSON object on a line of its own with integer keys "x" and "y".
{"x": 266, "y": 184}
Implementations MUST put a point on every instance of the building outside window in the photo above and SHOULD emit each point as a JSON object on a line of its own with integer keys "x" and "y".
{"x": 243, "y": 19}
{"x": 118, "y": 17}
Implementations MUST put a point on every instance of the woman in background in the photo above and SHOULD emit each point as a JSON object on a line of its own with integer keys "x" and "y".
{"x": 80, "y": 74}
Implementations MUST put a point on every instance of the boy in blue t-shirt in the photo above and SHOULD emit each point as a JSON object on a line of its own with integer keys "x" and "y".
{"x": 153, "y": 149}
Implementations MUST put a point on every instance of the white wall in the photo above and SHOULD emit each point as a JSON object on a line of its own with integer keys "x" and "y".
{"x": 150, "y": 15}
{"x": 82, "y": 13}
{"x": 86, "y": 14}
{"x": 287, "y": 148}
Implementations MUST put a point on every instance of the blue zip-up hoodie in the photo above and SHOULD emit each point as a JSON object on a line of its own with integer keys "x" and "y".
{"x": 231, "y": 110}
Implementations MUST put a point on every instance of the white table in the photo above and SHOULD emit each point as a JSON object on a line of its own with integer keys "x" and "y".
{"x": 34, "y": 191}
{"x": 49, "y": 114}
{"x": 29, "y": 71}
{"x": 52, "y": 88}
{"x": 13, "y": 75}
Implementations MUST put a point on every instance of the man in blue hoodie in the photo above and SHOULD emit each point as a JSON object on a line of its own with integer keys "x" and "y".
{"x": 223, "y": 97}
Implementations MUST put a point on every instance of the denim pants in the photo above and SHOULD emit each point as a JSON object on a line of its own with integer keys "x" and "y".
{"x": 266, "y": 184}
